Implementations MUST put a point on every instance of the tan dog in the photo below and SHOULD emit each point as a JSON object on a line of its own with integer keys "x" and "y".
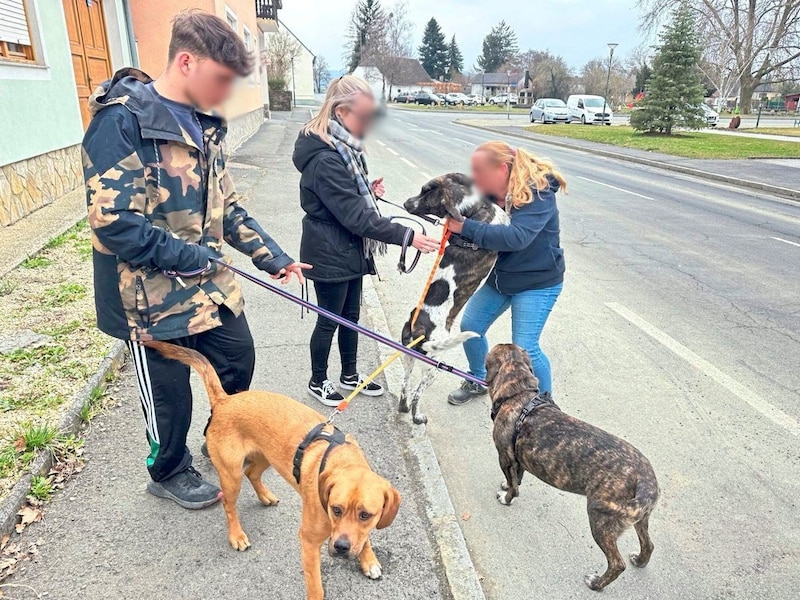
{"x": 342, "y": 502}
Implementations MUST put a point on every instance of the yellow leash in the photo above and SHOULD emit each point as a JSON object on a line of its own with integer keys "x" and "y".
{"x": 346, "y": 402}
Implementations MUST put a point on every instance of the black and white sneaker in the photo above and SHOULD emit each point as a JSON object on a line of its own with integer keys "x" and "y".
{"x": 351, "y": 382}
{"x": 325, "y": 392}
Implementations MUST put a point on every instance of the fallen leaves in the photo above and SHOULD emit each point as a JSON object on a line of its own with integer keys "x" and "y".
{"x": 12, "y": 554}
{"x": 466, "y": 516}
{"x": 29, "y": 514}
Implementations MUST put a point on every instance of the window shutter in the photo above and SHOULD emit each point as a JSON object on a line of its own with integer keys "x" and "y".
{"x": 13, "y": 24}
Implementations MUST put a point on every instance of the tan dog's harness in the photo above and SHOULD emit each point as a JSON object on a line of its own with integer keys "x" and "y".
{"x": 334, "y": 438}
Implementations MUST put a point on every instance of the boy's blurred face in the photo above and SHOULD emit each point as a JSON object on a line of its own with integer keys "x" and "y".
{"x": 208, "y": 83}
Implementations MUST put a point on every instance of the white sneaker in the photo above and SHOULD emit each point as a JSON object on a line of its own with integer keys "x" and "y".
{"x": 325, "y": 392}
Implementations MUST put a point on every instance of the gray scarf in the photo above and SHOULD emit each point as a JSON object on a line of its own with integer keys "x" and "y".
{"x": 352, "y": 152}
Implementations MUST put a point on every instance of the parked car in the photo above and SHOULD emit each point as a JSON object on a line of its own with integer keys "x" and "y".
{"x": 475, "y": 99}
{"x": 404, "y": 98}
{"x": 454, "y": 98}
{"x": 549, "y": 110}
{"x": 504, "y": 98}
{"x": 442, "y": 99}
{"x": 712, "y": 116}
{"x": 589, "y": 109}
{"x": 426, "y": 98}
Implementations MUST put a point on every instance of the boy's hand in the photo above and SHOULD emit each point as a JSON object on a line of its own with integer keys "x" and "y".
{"x": 297, "y": 269}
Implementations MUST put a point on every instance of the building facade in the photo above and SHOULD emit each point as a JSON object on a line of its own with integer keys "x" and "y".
{"x": 52, "y": 52}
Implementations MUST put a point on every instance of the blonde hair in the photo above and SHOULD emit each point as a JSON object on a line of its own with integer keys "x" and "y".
{"x": 341, "y": 92}
{"x": 524, "y": 171}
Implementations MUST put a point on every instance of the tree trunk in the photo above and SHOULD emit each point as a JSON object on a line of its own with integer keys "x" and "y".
{"x": 747, "y": 86}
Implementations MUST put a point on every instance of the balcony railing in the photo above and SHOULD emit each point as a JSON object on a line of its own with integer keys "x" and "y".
{"x": 268, "y": 9}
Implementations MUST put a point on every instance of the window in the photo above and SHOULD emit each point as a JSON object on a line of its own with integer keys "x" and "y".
{"x": 230, "y": 16}
{"x": 15, "y": 37}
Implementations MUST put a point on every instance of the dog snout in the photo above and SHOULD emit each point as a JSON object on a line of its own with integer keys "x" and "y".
{"x": 341, "y": 546}
{"x": 412, "y": 204}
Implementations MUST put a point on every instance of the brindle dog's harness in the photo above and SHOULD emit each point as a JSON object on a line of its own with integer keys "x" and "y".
{"x": 538, "y": 401}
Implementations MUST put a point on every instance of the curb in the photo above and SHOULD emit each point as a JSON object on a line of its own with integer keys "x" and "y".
{"x": 462, "y": 579}
{"x": 790, "y": 194}
{"x": 71, "y": 422}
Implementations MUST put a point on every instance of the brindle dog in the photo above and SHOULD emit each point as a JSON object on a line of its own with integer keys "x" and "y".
{"x": 464, "y": 266}
{"x": 571, "y": 455}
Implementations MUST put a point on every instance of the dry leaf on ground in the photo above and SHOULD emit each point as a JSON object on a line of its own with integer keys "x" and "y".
{"x": 29, "y": 515}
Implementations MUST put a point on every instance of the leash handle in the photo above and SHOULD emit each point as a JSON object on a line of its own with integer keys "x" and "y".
{"x": 445, "y": 237}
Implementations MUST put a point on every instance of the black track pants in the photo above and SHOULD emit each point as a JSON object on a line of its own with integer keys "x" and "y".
{"x": 344, "y": 299}
{"x": 167, "y": 396}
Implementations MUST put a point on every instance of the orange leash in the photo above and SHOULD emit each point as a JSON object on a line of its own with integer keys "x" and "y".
{"x": 437, "y": 262}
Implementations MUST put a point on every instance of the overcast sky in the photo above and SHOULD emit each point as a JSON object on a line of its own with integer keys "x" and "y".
{"x": 576, "y": 29}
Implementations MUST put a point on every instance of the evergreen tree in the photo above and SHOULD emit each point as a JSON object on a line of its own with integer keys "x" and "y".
{"x": 433, "y": 53}
{"x": 674, "y": 91}
{"x": 499, "y": 47}
{"x": 367, "y": 25}
{"x": 643, "y": 74}
{"x": 455, "y": 59}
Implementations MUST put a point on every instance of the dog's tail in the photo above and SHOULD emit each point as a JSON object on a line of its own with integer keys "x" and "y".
{"x": 450, "y": 342}
{"x": 199, "y": 363}
{"x": 637, "y": 507}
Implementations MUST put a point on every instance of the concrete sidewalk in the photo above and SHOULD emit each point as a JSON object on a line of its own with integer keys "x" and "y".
{"x": 105, "y": 537}
{"x": 777, "y": 173}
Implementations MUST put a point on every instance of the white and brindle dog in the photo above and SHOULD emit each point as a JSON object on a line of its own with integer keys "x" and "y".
{"x": 463, "y": 268}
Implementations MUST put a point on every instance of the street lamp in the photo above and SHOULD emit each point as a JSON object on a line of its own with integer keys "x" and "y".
{"x": 483, "y": 87}
{"x": 508, "y": 95}
{"x": 294, "y": 89}
{"x": 611, "y": 47}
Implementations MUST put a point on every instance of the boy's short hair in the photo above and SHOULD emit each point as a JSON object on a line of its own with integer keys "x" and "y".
{"x": 207, "y": 36}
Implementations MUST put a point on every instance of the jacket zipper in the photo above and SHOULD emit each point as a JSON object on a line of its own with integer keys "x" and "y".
{"x": 142, "y": 303}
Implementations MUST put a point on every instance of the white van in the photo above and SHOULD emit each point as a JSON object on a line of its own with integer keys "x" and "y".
{"x": 589, "y": 109}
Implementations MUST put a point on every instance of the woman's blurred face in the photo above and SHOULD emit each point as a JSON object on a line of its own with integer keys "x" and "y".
{"x": 490, "y": 178}
{"x": 357, "y": 117}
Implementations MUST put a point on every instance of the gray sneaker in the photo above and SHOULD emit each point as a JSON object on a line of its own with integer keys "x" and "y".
{"x": 186, "y": 489}
{"x": 466, "y": 392}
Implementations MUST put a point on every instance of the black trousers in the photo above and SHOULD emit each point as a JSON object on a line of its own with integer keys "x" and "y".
{"x": 167, "y": 396}
{"x": 344, "y": 299}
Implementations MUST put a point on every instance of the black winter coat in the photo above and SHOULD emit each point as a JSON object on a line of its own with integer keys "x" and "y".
{"x": 337, "y": 218}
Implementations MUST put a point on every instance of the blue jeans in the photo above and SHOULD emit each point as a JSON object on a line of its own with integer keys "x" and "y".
{"x": 529, "y": 312}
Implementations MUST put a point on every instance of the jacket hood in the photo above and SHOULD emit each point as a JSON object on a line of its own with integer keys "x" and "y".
{"x": 129, "y": 88}
{"x": 306, "y": 148}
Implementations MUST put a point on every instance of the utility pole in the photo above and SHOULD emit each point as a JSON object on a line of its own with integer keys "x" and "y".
{"x": 294, "y": 88}
{"x": 611, "y": 47}
{"x": 508, "y": 95}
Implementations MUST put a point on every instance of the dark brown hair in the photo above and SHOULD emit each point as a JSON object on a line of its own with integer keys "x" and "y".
{"x": 207, "y": 36}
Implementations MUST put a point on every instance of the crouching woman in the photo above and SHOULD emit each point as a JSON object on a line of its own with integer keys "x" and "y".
{"x": 529, "y": 271}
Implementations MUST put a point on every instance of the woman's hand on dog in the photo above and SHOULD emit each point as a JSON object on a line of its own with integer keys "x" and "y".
{"x": 455, "y": 226}
{"x": 295, "y": 268}
{"x": 425, "y": 244}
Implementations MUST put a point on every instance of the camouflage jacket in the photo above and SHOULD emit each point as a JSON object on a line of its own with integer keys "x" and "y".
{"x": 156, "y": 201}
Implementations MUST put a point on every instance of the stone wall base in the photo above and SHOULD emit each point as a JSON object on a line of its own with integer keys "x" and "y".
{"x": 241, "y": 128}
{"x": 30, "y": 184}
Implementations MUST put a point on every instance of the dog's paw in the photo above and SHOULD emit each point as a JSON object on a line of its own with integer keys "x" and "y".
{"x": 502, "y": 498}
{"x": 593, "y": 582}
{"x": 373, "y": 571}
{"x": 504, "y": 486}
{"x": 420, "y": 419}
{"x": 268, "y": 499}
{"x": 636, "y": 560}
{"x": 239, "y": 542}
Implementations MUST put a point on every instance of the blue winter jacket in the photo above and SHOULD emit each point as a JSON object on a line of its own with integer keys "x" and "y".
{"x": 530, "y": 254}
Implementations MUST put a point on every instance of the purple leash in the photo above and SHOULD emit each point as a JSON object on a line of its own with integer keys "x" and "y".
{"x": 350, "y": 325}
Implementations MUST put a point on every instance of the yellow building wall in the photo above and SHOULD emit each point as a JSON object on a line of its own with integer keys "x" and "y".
{"x": 152, "y": 24}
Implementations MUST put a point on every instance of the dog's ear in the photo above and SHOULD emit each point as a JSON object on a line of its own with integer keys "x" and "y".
{"x": 326, "y": 482}
{"x": 461, "y": 179}
{"x": 492, "y": 366}
{"x": 391, "y": 504}
{"x": 450, "y": 206}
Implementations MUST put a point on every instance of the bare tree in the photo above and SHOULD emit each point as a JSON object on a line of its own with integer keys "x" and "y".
{"x": 551, "y": 77}
{"x": 594, "y": 74}
{"x": 282, "y": 49}
{"x": 752, "y": 41}
{"x": 321, "y": 73}
{"x": 388, "y": 51}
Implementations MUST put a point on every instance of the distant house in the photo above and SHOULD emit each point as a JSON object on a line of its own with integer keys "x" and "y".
{"x": 491, "y": 84}
{"x": 399, "y": 74}
{"x": 300, "y": 80}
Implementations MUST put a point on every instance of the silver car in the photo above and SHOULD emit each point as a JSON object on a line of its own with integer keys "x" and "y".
{"x": 549, "y": 110}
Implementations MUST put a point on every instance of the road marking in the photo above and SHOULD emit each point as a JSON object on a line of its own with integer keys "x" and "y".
{"x": 777, "y": 239}
{"x": 613, "y": 187}
{"x": 744, "y": 393}
{"x": 392, "y": 151}
{"x": 432, "y": 131}
{"x": 463, "y": 141}
{"x": 380, "y": 143}
{"x": 409, "y": 163}
{"x": 425, "y": 175}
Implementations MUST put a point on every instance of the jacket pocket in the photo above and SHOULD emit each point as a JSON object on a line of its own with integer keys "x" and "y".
{"x": 142, "y": 304}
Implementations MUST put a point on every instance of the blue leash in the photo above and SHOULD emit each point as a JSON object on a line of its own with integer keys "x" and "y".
{"x": 350, "y": 325}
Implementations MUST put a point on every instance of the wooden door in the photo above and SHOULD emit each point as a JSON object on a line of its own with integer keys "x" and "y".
{"x": 86, "y": 28}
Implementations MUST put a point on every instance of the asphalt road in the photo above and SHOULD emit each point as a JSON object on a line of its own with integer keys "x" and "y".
{"x": 677, "y": 330}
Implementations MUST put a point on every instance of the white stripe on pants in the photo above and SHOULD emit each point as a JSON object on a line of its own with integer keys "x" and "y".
{"x": 139, "y": 357}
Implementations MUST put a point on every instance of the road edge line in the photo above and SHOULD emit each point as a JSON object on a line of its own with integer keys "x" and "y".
{"x": 462, "y": 578}
{"x": 785, "y": 193}
{"x": 71, "y": 423}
